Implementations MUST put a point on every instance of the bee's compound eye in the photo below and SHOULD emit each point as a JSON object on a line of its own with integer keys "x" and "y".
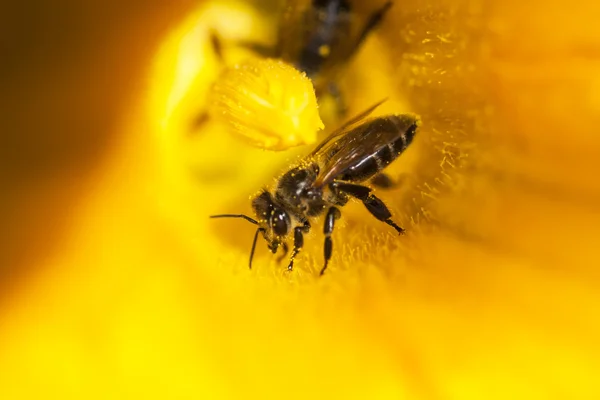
{"x": 280, "y": 222}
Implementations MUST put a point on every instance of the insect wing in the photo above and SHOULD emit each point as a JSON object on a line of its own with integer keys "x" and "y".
{"x": 358, "y": 144}
{"x": 346, "y": 127}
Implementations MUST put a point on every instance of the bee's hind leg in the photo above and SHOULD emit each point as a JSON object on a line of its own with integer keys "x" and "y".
{"x": 374, "y": 205}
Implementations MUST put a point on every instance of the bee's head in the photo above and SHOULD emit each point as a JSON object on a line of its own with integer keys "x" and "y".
{"x": 272, "y": 221}
{"x": 272, "y": 218}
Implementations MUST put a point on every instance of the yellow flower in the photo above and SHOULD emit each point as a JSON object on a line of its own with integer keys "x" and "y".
{"x": 126, "y": 289}
{"x": 266, "y": 103}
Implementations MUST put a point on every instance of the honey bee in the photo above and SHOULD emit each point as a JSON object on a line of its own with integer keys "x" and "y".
{"x": 327, "y": 178}
{"x": 319, "y": 37}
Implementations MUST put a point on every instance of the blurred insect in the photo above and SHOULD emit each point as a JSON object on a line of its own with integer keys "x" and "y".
{"x": 327, "y": 178}
{"x": 319, "y": 37}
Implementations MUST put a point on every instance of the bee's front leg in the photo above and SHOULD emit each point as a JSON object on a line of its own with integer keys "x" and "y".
{"x": 285, "y": 249}
{"x": 263, "y": 50}
{"x": 298, "y": 242}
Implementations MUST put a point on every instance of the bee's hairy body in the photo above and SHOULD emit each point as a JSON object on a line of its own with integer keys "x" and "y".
{"x": 298, "y": 192}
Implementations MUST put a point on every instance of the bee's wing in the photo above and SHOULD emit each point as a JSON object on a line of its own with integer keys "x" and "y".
{"x": 358, "y": 144}
{"x": 346, "y": 127}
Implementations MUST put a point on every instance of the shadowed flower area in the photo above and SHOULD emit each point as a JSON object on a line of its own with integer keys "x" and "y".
{"x": 115, "y": 284}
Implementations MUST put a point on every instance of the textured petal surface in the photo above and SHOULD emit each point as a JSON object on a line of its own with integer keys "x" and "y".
{"x": 116, "y": 285}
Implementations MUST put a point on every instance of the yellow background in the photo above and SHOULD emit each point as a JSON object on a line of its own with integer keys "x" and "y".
{"x": 115, "y": 284}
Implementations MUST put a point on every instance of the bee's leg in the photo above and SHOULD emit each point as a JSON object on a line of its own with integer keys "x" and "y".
{"x": 298, "y": 243}
{"x": 380, "y": 211}
{"x": 285, "y": 249}
{"x": 217, "y": 45}
{"x": 374, "y": 204}
{"x": 374, "y": 20}
{"x": 332, "y": 215}
{"x": 383, "y": 181}
{"x": 261, "y": 49}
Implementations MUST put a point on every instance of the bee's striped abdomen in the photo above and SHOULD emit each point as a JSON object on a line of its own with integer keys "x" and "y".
{"x": 376, "y": 162}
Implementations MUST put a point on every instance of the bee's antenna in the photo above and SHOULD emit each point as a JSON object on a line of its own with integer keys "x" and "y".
{"x": 251, "y": 220}
{"x": 247, "y": 218}
{"x": 254, "y": 246}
